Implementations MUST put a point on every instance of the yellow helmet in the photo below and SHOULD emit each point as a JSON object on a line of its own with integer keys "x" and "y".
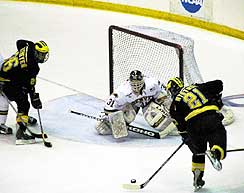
{"x": 41, "y": 46}
{"x": 41, "y": 51}
{"x": 175, "y": 85}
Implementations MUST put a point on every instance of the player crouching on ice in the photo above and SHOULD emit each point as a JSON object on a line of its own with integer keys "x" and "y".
{"x": 123, "y": 105}
{"x": 18, "y": 78}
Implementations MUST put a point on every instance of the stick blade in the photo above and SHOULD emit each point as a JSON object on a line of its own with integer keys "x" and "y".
{"x": 131, "y": 186}
{"x": 48, "y": 144}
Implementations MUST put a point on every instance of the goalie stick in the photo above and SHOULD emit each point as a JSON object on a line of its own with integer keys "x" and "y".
{"x": 134, "y": 186}
{"x": 135, "y": 129}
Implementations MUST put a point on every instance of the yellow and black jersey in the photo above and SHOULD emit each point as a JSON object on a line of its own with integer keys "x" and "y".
{"x": 196, "y": 99}
{"x": 21, "y": 68}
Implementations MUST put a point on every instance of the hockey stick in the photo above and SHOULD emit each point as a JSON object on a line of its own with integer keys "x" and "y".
{"x": 46, "y": 143}
{"x": 134, "y": 186}
{"x": 233, "y": 150}
{"x": 36, "y": 135}
{"x": 135, "y": 129}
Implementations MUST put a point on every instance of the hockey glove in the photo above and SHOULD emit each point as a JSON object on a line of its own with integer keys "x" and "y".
{"x": 185, "y": 138}
{"x": 217, "y": 100}
{"x": 35, "y": 101}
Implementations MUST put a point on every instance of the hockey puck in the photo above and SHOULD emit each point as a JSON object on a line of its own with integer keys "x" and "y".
{"x": 133, "y": 181}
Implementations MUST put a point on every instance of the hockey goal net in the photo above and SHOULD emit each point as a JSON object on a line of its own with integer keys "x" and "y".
{"x": 155, "y": 52}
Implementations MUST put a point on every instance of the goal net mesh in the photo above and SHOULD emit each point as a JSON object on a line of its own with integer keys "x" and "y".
{"x": 155, "y": 52}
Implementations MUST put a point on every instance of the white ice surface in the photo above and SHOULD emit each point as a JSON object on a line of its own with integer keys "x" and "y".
{"x": 80, "y": 160}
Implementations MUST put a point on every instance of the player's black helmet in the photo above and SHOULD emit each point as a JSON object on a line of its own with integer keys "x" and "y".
{"x": 174, "y": 86}
{"x": 41, "y": 52}
{"x": 136, "y": 81}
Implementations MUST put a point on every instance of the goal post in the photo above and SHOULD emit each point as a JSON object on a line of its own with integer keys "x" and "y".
{"x": 128, "y": 55}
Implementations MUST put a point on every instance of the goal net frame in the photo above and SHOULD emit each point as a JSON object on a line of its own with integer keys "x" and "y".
{"x": 182, "y": 46}
{"x": 179, "y": 46}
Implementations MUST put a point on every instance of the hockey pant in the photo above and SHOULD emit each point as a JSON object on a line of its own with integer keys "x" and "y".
{"x": 203, "y": 130}
{"x": 20, "y": 97}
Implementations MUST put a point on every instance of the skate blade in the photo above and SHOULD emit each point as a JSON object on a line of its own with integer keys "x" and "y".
{"x": 218, "y": 166}
{"x": 6, "y": 133}
{"x": 197, "y": 188}
{"x": 24, "y": 142}
{"x": 215, "y": 163}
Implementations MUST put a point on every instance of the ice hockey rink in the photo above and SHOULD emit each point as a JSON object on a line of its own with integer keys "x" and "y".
{"x": 76, "y": 76}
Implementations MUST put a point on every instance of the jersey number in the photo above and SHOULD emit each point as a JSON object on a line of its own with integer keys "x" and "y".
{"x": 194, "y": 99}
{"x": 15, "y": 60}
{"x": 110, "y": 102}
{"x": 10, "y": 63}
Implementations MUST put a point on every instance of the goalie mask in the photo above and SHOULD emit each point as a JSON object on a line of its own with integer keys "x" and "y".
{"x": 136, "y": 81}
{"x": 174, "y": 86}
{"x": 41, "y": 52}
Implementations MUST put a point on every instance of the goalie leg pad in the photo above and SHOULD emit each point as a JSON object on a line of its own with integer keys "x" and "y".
{"x": 103, "y": 128}
{"x": 228, "y": 116}
{"x": 129, "y": 113}
{"x": 168, "y": 128}
{"x": 154, "y": 114}
{"x": 118, "y": 124}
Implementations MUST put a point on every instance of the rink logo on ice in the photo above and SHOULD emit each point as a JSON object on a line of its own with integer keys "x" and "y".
{"x": 192, "y": 6}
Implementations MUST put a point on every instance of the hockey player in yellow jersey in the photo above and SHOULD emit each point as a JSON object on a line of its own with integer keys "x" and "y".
{"x": 18, "y": 79}
{"x": 196, "y": 111}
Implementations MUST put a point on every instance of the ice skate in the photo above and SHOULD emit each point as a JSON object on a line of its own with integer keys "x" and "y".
{"x": 214, "y": 160}
{"x": 198, "y": 182}
{"x": 5, "y": 130}
{"x": 22, "y": 137}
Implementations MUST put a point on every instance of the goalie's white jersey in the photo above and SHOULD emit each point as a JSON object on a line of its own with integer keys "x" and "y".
{"x": 124, "y": 95}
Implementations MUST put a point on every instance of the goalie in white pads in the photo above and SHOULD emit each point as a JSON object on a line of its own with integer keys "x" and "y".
{"x": 123, "y": 105}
